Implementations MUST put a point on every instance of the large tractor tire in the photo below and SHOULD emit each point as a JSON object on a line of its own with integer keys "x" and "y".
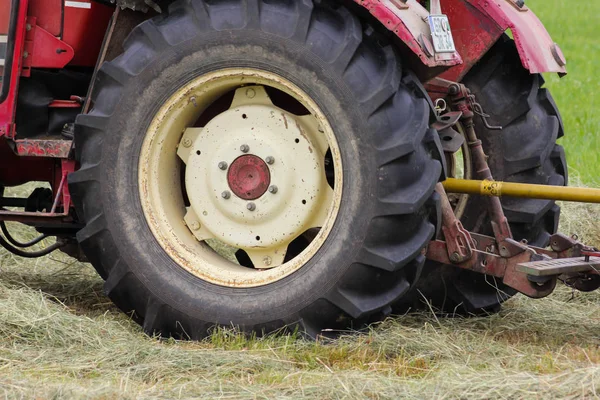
{"x": 525, "y": 150}
{"x": 256, "y": 167}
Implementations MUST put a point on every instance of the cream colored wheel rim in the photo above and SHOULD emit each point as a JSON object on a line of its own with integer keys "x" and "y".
{"x": 191, "y": 178}
{"x": 460, "y": 166}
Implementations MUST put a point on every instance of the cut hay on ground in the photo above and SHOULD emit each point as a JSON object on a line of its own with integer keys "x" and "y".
{"x": 61, "y": 338}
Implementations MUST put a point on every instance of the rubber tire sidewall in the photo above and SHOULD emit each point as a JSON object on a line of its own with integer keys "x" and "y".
{"x": 149, "y": 262}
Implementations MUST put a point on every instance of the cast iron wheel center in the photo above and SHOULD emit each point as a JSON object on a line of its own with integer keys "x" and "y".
{"x": 249, "y": 177}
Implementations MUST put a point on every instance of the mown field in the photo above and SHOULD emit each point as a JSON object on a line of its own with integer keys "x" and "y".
{"x": 61, "y": 338}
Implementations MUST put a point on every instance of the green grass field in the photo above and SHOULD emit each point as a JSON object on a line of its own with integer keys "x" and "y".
{"x": 60, "y": 337}
{"x": 573, "y": 25}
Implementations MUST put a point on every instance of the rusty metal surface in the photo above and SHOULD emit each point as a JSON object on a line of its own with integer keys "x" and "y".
{"x": 54, "y": 148}
{"x": 458, "y": 240}
{"x": 406, "y": 20}
{"x": 478, "y": 24}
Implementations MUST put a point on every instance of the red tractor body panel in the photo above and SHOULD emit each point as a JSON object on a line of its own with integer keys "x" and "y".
{"x": 56, "y": 34}
{"x": 477, "y": 25}
{"x": 408, "y": 21}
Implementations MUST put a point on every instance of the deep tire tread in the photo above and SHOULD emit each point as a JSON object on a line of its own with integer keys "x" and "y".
{"x": 389, "y": 264}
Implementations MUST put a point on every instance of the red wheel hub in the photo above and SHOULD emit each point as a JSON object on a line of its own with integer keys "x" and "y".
{"x": 249, "y": 177}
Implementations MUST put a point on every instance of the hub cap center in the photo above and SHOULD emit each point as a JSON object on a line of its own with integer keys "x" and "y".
{"x": 249, "y": 177}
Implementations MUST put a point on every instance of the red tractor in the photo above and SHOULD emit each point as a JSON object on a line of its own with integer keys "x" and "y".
{"x": 297, "y": 164}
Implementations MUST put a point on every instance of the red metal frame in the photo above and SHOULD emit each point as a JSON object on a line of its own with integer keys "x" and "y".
{"x": 478, "y": 24}
{"x": 7, "y": 107}
{"x": 52, "y": 34}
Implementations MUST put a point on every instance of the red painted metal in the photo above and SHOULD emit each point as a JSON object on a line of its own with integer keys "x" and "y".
{"x": 54, "y": 148}
{"x": 477, "y": 24}
{"x": 16, "y": 170}
{"x": 4, "y": 16}
{"x": 65, "y": 104}
{"x": 249, "y": 177}
{"x": 45, "y": 50}
{"x": 393, "y": 15}
{"x": 7, "y": 108}
{"x": 84, "y": 30}
{"x": 48, "y": 14}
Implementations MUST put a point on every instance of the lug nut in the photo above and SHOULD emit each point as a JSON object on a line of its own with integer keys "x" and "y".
{"x": 251, "y": 206}
{"x": 273, "y": 189}
{"x": 194, "y": 225}
{"x": 270, "y": 160}
{"x": 244, "y": 148}
{"x": 223, "y": 165}
{"x": 226, "y": 194}
{"x": 187, "y": 142}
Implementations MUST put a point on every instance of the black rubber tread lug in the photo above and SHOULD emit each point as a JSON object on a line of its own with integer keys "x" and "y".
{"x": 388, "y": 86}
{"x": 411, "y": 81}
{"x": 152, "y": 321}
{"x": 352, "y": 39}
{"x": 367, "y": 291}
{"x": 484, "y": 300}
{"x": 359, "y": 304}
{"x": 94, "y": 121}
{"x": 251, "y": 12}
{"x": 93, "y": 227}
{"x": 112, "y": 71}
{"x": 559, "y": 162}
{"x": 186, "y": 26}
{"x": 393, "y": 256}
{"x": 410, "y": 197}
{"x": 118, "y": 272}
{"x": 549, "y": 104}
{"x": 154, "y": 35}
{"x": 394, "y": 145}
{"x": 304, "y": 10}
{"x": 434, "y": 148}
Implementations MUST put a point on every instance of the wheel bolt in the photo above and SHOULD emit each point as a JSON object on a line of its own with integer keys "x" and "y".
{"x": 194, "y": 225}
{"x": 251, "y": 206}
{"x": 223, "y": 165}
{"x": 270, "y": 160}
{"x": 187, "y": 142}
{"x": 244, "y": 148}
{"x": 273, "y": 189}
{"x": 226, "y": 194}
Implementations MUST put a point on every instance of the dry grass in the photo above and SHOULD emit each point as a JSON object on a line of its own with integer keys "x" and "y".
{"x": 61, "y": 338}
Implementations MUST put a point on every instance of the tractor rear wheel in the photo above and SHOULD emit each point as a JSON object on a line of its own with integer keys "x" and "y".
{"x": 525, "y": 150}
{"x": 256, "y": 167}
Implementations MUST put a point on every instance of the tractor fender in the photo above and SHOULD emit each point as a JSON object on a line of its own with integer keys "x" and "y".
{"x": 407, "y": 19}
{"x": 536, "y": 48}
{"x": 478, "y": 24}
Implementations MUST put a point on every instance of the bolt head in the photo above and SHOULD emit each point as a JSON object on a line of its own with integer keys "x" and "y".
{"x": 226, "y": 194}
{"x": 250, "y": 93}
{"x": 194, "y": 225}
{"x": 455, "y": 257}
{"x": 270, "y": 160}
{"x": 244, "y": 148}
{"x": 273, "y": 189}
{"x": 223, "y": 165}
{"x": 267, "y": 260}
{"x": 187, "y": 142}
{"x": 251, "y": 206}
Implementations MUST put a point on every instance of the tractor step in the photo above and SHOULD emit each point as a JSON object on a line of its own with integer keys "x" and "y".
{"x": 560, "y": 266}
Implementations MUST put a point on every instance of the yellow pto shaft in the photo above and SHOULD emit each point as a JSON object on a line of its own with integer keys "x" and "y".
{"x": 525, "y": 190}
